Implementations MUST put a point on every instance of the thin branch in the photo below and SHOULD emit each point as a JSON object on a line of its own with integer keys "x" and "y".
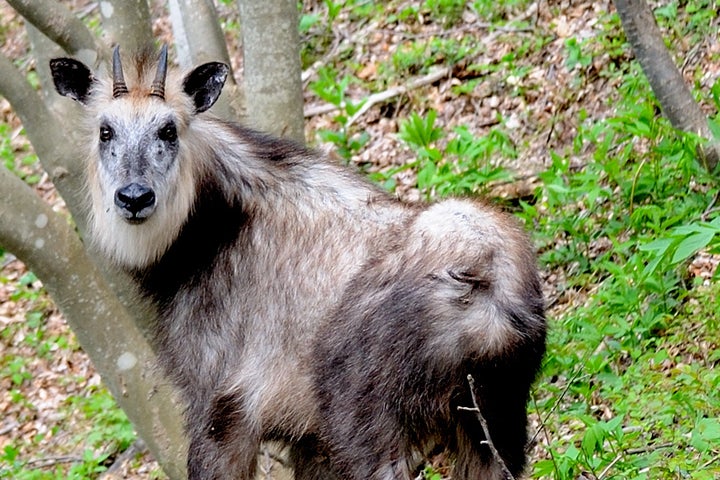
{"x": 9, "y": 428}
{"x": 52, "y": 461}
{"x": 649, "y": 448}
{"x": 544, "y": 430}
{"x": 632, "y": 451}
{"x": 609, "y": 466}
{"x": 486, "y": 430}
{"x": 51, "y": 139}
{"x": 709, "y": 462}
{"x": 57, "y": 23}
{"x": 137, "y": 448}
{"x": 28, "y": 105}
{"x": 428, "y": 79}
{"x": 380, "y": 97}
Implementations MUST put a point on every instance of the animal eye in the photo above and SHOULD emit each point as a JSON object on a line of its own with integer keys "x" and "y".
{"x": 106, "y": 133}
{"x": 168, "y": 133}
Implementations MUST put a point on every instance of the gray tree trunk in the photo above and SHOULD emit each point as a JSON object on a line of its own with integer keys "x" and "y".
{"x": 272, "y": 69}
{"x": 127, "y": 22}
{"x": 665, "y": 79}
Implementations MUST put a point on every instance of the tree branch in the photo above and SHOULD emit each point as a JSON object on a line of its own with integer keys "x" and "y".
{"x": 57, "y": 23}
{"x": 50, "y": 138}
{"x": 127, "y": 22}
{"x": 24, "y": 100}
{"x": 43, "y": 50}
{"x": 193, "y": 20}
{"x": 383, "y": 96}
{"x": 380, "y": 97}
{"x": 45, "y": 241}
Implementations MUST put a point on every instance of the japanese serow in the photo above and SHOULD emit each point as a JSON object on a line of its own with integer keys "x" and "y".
{"x": 299, "y": 303}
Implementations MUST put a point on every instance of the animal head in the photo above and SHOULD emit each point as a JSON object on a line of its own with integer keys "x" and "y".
{"x": 141, "y": 185}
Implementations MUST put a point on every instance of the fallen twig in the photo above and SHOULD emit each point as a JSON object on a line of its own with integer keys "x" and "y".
{"x": 376, "y": 98}
{"x": 380, "y": 97}
{"x": 12, "y": 425}
{"x": 113, "y": 471}
{"x": 52, "y": 461}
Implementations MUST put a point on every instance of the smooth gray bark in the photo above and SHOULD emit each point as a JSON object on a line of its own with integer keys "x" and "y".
{"x": 272, "y": 69}
{"x": 57, "y": 23}
{"x": 127, "y": 23}
{"x": 665, "y": 79}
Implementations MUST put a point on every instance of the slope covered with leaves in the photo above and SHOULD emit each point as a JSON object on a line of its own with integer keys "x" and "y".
{"x": 539, "y": 107}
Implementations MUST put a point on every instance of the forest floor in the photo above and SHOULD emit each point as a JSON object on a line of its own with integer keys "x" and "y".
{"x": 529, "y": 79}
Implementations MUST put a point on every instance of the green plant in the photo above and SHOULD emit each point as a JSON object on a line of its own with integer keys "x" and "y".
{"x": 625, "y": 223}
{"x": 461, "y": 166}
{"x": 429, "y": 473}
{"x": 107, "y": 429}
{"x": 332, "y": 91}
{"x": 416, "y": 57}
{"x": 23, "y": 165}
{"x": 446, "y": 12}
{"x": 498, "y": 12}
{"x": 576, "y": 54}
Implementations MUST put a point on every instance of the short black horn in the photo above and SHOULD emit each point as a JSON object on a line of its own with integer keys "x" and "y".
{"x": 157, "y": 89}
{"x": 119, "y": 86}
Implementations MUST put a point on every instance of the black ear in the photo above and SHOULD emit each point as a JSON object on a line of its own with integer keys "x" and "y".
{"x": 205, "y": 83}
{"x": 72, "y": 78}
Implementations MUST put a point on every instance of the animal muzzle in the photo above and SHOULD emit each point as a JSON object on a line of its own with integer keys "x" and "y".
{"x": 135, "y": 202}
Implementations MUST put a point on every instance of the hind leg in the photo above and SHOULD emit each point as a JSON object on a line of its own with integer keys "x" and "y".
{"x": 474, "y": 459}
{"x": 373, "y": 448}
{"x": 309, "y": 462}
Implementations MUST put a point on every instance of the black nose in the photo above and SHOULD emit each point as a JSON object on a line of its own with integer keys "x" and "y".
{"x": 135, "y": 198}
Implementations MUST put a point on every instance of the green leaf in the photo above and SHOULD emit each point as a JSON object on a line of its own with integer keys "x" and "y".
{"x": 658, "y": 247}
{"x": 691, "y": 244}
{"x": 713, "y": 124}
{"x": 426, "y": 176}
{"x": 706, "y": 434}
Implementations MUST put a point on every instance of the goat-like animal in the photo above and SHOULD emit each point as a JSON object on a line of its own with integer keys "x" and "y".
{"x": 296, "y": 301}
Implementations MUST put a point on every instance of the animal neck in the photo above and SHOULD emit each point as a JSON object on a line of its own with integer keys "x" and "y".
{"x": 212, "y": 228}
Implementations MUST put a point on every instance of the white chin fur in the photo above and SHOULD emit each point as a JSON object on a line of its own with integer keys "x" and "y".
{"x": 136, "y": 245}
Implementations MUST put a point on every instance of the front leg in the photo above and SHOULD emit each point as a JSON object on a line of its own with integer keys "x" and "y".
{"x": 223, "y": 442}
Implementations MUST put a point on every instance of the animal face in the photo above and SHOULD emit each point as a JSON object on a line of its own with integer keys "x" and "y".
{"x": 137, "y": 153}
{"x": 139, "y": 173}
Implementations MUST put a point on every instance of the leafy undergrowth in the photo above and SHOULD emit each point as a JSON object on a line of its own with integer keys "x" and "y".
{"x": 541, "y": 109}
